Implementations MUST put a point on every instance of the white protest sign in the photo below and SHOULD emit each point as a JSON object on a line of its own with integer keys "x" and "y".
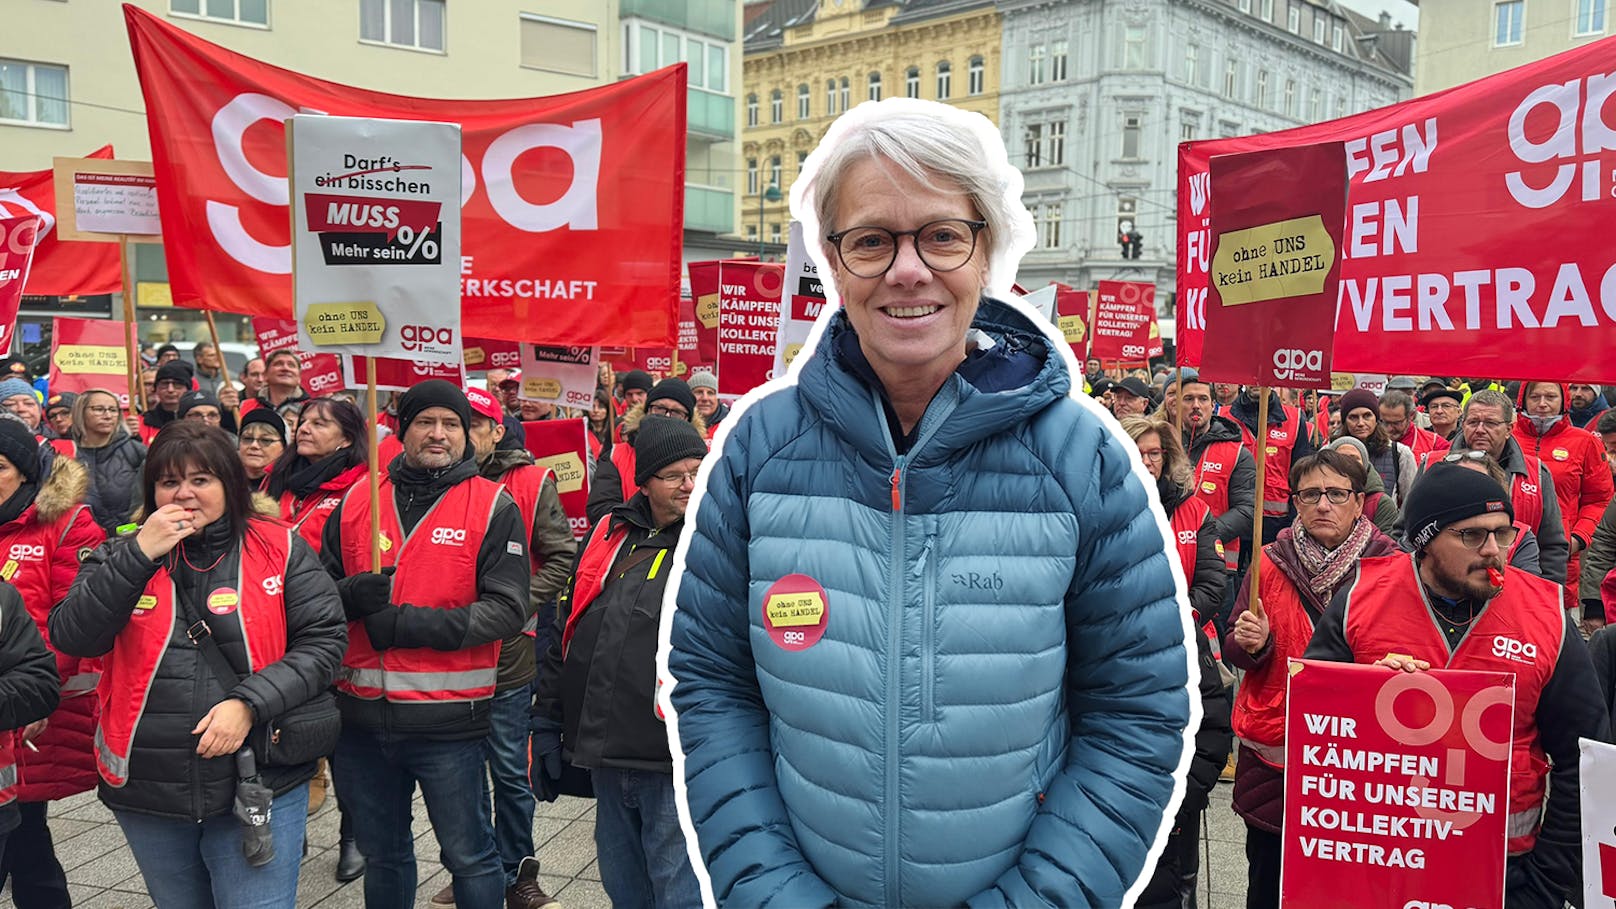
{"x": 804, "y": 298}
{"x": 1597, "y": 778}
{"x": 1043, "y": 300}
{"x": 563, "y": 376}
{"x": 376, "y": 236}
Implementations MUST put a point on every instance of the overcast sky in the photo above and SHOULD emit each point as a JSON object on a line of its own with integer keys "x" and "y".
{"x": 1401, "y": 10}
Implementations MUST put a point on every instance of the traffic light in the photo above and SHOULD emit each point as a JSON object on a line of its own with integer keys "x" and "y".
{"x": 1134, "y": 245}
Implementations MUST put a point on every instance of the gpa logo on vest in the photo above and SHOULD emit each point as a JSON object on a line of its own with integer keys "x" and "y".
{"x": 1185, "y": 537}
{"x": 1510, "y": 649}
{"x": 796, "y": 612}
{"x": 273, "y": 585}
{"x": 24, "y": 552}
{"x": 449, "y": 536}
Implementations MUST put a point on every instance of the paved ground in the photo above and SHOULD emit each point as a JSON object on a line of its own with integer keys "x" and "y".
{"x": 102, "y": 873}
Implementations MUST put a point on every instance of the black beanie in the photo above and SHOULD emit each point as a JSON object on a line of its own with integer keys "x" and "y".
{"x": 178, "y": 370}
{"x": 1447, "y": 494}
{"x": 194, "y": 399}
{"x": 19, "y": 446}
{"x": 434, "y": 393}
{"x": 637, "y": 379}
{"x": 673, "y": 390}
{"x": 663, "y": 441}
{"x": 266, "y": 416}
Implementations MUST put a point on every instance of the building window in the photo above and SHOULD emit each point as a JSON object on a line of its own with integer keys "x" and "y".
{"x": 558, "y": 45}
{"x": 1231, "y": 77}
{"x": 1290, "y": 97}
{"x": 1192, "y": 63}
{"x": 402, "y": 23}
{"x": 1227, "y": 129}
{"x": 751, "y": 233}
{"x": 875, "y": 86}
{"x": 1189, "y": 127}
{"x": 1263, "y": 101}
{"x": 802, "y": 158}
{"x": 847, "y": 93}
{"x": 1590, "y": 17}
{"x": 802, "y": 101}
{"x": 1245, "y": 6}
{"x": 911, "y": 82}
{"x": 1034, "y": 141}
{"x": 777, "y": 107}
{"x": 246, "y": 12}
{"x": 1055, "y": 143}
{"x": 1132, "y": 127}
{"x": 1057, "y": 61}
{"x": 1293, "y": 19}
{"x": 1315, "y": 105}
{"x": 830, "y": 97}
{"x": 751, "y": 177}
{"x": 945, "y": 80}
{"x": 751, "y": 109}
{"x": 1508, "y": 16}
{"x": 774, "y": 173}
{"x": 33, "y": 93}
{"x": 1268, "y": 10}
{"x": 1335, "y": 38}
{"x": 774, "y": 232}
{"x": 648, "y": 48}
{"x": 1318, "y": 29}
{"x": 1133, "y": 47}
{"x": 1035, "y": 64}
{"x": 1049, "y": 227}
{"x": 975, "y": 76}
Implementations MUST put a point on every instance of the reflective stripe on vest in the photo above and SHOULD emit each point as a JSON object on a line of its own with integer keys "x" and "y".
{"x": 1272, "y": 755}
{"x": 80, "y": 683}
{"x": 398, "y": 682}
{"x": 8, "y": 782}
{"x": 114, "y": 766}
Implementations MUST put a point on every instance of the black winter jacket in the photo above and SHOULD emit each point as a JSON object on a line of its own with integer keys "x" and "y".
{"x": 166, "y": 777}
{"x": 29, "y": 687}
{"x": 1236, "y": 522}
{"x": 1206, "y": 586}
{"x": 114, "y": 478}
{"x": 603, "y": 695}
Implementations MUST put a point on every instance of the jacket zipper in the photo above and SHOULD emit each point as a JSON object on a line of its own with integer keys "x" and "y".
{"x": 925, "y": 572}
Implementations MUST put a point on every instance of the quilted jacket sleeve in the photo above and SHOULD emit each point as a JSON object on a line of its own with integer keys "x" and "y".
{"x": 1127, "y": 696}
{"x": 744, "y": 836}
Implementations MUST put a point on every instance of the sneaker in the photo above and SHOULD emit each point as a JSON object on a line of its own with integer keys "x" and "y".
{"x": 526, "y": 892}
{"x": 444, "y": 897}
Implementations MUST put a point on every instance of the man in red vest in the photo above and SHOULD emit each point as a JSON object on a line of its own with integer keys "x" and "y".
{"x": 1225, "y": 478}
{"x": 1455, "y": 604}
{"x": 596, "y": 705}
{"x": 424, "y": 638}
{"x": 1398, "y": 415}
{"x": 1287, "y": 440}
{"x": 551, "y": 549}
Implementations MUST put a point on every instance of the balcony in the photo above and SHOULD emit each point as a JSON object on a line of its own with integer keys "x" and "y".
{"x": 716, "y": 18}
{"x": 709, "y": 209}
{"x": 710, "y": 115}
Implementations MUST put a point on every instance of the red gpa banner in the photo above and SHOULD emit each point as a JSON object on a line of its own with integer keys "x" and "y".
{"x": 90, "y": 353}
{"x": 572, "y": 205}
{"x": 1072, "y": 318}
{"x": 399, "y": 375}
{"x": 321, "y": 374}
{"x": 1275, "y": 264}
{"x": 18, "y": 237}
{"x": 1477, "y": 221}
{"x": 61, "y": 268}
{"x": 748, "y": 324}
{"x": 1125, "y": 322}
{"x": 483, "y": 354}
{"x": 563, "y": 446}
{"x": 1396, "y": 787}
{"x": 704, "y": 294}
{"x": 687, "y": 357}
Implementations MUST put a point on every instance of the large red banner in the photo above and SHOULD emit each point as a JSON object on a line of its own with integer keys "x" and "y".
{"x": 61, "y": 268}
{"x": 18, "y": 237}
{"x": 321, "y": 372}
{"x": 563, "y": 446}
{"x": 1396, "y": 787}
{"x": 1275, "y": 264}
{"x": 1477, "y": 221}
{"x": 749, "y": 304}
{"x": 572, "y": 205}
{"x": 1125, "y": 322}
{"x": 90, "y": 353}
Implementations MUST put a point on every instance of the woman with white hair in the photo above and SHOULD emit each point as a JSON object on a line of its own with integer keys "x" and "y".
{"x": 927, "y": 648}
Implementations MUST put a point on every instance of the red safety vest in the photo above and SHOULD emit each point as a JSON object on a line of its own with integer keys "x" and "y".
{"x": 1281, "y": 442}
{"x": 1259, "y": 705}
{"x": 599, "y": 554}
{"x": 1212, "y": 487}
{"x": 64, "y": 447}
{"x": 257, "y": 605}
{"x": 1423, "y": 441}
{"x": 1186, "y": 524}
{"x": 309, "y": 514}
{"x": 623, "y": 459}
{"x": 436, "y": 568}
{"x": 524, "y": 482}
{"x": 8, "y": 766}
{"x": 1387, "y": 613}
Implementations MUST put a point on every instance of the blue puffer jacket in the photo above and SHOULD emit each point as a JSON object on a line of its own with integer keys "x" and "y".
{"x": 998, "y": 704}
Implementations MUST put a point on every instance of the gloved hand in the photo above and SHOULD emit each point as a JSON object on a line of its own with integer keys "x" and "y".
{"x": 366, "y": 593}
{"x": 380, "y": 627}
{"x": 544, "y": 759}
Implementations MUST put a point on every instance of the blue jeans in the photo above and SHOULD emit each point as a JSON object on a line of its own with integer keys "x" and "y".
{"x": 188, "y": 865}
{"x": 380, "y": 779}
{"x": 641, "y": 848}
{"x": 506, "y": 748}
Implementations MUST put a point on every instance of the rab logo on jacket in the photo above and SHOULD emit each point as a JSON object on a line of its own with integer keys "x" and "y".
{"x": 448, "y": 536}
{"x": 1510, "y": 649}
{"x": 273, "y": 585}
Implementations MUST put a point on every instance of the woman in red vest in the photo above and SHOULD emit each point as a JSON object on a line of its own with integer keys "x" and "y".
{"x": 312, "y": 476}
{"x": 206, "y": 588}
{"x": 1302, "y": 569}
{"x": 45, "y": 527}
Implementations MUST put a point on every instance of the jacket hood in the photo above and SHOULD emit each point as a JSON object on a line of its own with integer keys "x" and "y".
{"x": 66, "y": 488}
{"x": 504, "y": 460}
{"x": 1520, "y": 396}
{"x": 1221, "y": 429}
{"x": 960, "y": 414}
{"x": 1246, "y": 411}
{"x": 631, "y": 422}
{"x": 1513, "y": 460}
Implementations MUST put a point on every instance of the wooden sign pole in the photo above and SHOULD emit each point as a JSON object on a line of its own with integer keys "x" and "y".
{"x": 1261, "y": 436}
{"x": 132, "y": 335}
{"x": 375, "y": 468}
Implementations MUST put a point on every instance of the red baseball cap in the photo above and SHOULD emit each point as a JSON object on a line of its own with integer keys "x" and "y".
{"x": 484, "y": 405}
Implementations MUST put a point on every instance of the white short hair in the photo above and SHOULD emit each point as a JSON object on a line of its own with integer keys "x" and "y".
{"x": 935, "y": 143}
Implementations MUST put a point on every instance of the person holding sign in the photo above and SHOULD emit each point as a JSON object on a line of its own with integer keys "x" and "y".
{"x": 1302, "y": 569}
{"x": 927, "y": 649}
{"x": 1455, "y": 604}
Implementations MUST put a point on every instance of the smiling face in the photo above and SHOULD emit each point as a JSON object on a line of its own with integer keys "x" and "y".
{"x": 911, "y": 319}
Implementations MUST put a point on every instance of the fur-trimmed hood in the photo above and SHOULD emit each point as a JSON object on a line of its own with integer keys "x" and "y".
{"x": 67, "y": 487}
{"x": 631, "y": 422}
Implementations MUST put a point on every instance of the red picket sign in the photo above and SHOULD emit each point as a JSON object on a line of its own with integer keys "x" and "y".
{"x": 563, "y": 446}
{"x": 61, "y": 267}
{"x": 90, "y": 353}
{"x": 748, "y": 324}
{"x": 704, "y": 294}
{"x": 573, "y": 204}
{"x": 1125, "y": 322}
{"x": 1477, "y": 221}
{"x": 1396, "y": 786}
{"x": 399, "y": 375}
{"x": 1072, "y": 318}
{"x": 482, "y": 354}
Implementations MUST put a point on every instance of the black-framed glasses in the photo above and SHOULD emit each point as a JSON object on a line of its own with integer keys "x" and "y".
{"x": 1476, "y": 537}
{"x": 677, "y": 478}
{"x": 663, "y": 410}
{"x": 1336, "y": 495}
{"x": 260, "y": 440}
{"x": 944, "y": 245}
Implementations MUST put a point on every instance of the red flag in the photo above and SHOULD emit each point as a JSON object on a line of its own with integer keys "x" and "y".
{"x": 563, "y": 446}
{"x": 61, "y": 268}
{"x": 573, "y": 204}
{"x": 1477, "y": 225}
{"x": 17, "y": 239}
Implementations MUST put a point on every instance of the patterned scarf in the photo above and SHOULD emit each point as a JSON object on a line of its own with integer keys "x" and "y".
{"x": 1326, "y": 567}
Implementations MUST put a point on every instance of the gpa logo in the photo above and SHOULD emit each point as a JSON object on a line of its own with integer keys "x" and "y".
{"x": 1510, "y": 649}
{"x": 448, "y": 536}
{"x": 1529, "y": 488}
{"x": 324, "y": 382}
{"x": 1133, "y": 350}
{"x": 1426, "y": 904}
{"x": 1186, "y": 537}
{"x": 425, "y": 337}
{"x": 23, "y": 552}
{"x": 1200, "y": 186}
{"x": 1579, "y": 137}
{"x": 1213, "y": 466}
{"x": 273, "y": 585}
{"x": 1293, "y": 363}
